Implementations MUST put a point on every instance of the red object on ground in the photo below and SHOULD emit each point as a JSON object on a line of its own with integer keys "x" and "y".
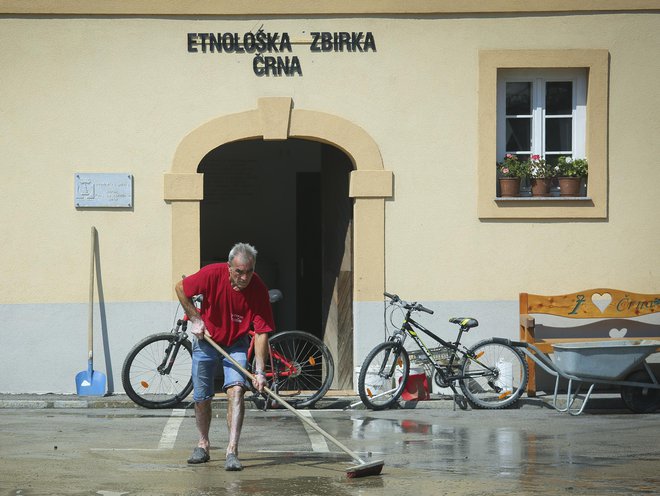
{"x": 416, "y": 389}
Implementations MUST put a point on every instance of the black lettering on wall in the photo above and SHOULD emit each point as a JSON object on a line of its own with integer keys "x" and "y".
{"x": 263, "y": 42}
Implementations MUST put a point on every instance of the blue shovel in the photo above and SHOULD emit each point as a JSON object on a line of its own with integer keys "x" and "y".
{"x": 91, "y": 382}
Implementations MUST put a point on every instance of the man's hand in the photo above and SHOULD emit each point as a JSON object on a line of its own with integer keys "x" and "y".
{"x": 259, "y": 381}
{"x": 197, "y": 327}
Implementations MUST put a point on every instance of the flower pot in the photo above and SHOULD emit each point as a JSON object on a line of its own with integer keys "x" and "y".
{"x": 509, "y": 186}
{"x": 569, "y": 186}
{"x": 541, "y": 187}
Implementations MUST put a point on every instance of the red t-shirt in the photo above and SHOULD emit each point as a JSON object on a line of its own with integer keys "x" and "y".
{"x": 228, "y": 313}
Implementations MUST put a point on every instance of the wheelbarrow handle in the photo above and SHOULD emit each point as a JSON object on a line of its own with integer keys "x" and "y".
{"x": 535, "y": 354}
{"x": 515, "y": 344}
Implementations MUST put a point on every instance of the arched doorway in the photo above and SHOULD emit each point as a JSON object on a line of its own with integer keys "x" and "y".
{"x": 290, "y": 199}
{"x": 369, "y": 185}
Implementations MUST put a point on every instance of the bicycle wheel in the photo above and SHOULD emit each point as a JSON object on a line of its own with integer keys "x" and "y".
{"x": 640, "y": 399}
{"x": 304, "y": 367}
{"x": 383, "y": 375}
{"x": 496, "y": 377}
{"x": 145, "y": 384}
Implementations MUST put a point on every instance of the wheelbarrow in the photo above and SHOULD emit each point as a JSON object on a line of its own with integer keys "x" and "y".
{"x": 620, "y": 362}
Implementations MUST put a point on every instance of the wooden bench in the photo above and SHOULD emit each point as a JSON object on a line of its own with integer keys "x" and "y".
{"x": 612, "y": 308}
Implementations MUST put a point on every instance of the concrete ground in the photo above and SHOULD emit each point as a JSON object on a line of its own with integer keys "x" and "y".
{"x": 68, "y": 445}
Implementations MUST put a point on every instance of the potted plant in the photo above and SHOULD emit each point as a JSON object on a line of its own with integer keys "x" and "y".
{"x": 571, "y": 172}
{"x": 510, "y": 171}
{"x": 541, "y": 173}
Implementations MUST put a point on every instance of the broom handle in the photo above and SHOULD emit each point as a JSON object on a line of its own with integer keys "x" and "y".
{"x": 277, "y": 398}
{"x": 90, "y": 313}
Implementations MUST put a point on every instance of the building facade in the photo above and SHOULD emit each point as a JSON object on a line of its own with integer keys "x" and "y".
{"x": 355, "y": 144}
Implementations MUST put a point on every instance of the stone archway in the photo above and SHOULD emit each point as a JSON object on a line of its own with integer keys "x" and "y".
{"x": 276, "y": 119}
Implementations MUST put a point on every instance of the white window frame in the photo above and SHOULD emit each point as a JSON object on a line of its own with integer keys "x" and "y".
{"x": 538, "y": 78}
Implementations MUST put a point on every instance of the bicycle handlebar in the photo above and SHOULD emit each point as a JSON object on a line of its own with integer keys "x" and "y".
{"x": 392, "y": 297}
{"x": 408, "y": 306}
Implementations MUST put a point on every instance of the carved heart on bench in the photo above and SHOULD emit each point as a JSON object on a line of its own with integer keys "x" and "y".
{"x": 602, "y": 301}
{"x": 618, "y": 333}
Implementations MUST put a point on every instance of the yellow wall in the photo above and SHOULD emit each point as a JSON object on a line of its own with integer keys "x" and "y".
{"x": 283, "y": 7}
{"x": 120, "y": 93}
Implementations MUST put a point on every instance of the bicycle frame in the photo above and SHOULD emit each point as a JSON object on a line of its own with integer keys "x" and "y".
{"x": 273, "y": 374}
{"x": 173, "y": 348}
{"x": 443, "y": 370}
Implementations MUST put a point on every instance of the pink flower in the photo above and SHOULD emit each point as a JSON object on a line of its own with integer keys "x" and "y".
{"x": 536, "y": 157}
{"x": 505, "y": 170}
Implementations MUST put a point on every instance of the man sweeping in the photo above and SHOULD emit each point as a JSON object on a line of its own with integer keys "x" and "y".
{"x": 235, "y": 300}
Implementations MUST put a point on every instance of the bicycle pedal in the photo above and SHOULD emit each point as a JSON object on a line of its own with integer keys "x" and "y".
{"x": 495, "y": 387}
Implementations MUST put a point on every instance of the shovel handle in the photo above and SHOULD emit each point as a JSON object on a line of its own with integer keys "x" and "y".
{"x": 286, "y": 405}
{"x": 90, "y": 312}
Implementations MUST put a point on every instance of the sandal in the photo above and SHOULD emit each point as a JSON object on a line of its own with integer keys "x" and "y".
{"x": 232, "y": 464}
{"x": 199, "y": 455}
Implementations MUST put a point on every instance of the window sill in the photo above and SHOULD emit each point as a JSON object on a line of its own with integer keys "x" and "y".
{"x": 542, "y": 198}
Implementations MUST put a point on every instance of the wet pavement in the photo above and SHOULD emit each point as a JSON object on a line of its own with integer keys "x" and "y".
{"x": 433, "y": 450}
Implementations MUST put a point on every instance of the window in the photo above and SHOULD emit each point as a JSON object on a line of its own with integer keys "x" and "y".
{"x": 557, "y": 105}
{"x": 541, "y": 112}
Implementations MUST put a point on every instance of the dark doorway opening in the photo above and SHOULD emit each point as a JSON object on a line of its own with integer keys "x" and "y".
{"x": 308, "y": 251}
{"x": 290, "y": 200}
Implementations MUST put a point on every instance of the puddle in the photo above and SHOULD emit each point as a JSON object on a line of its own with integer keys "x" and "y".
{"x": 301, "y": 486}
{"x": 513, "y": 455}
{"x": 130, "y": 415}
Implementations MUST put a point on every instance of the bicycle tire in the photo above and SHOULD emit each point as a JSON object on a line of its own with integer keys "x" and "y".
{"x": 313, "y": 364}
{"x": 383, "y": 375}
{"x": 501, "y": 389}
{"x": 142, "y": 381}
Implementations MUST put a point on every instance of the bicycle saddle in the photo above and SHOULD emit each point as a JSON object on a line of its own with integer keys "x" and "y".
{"x": 466, "y": 322}
{"x": 275, "y": 295}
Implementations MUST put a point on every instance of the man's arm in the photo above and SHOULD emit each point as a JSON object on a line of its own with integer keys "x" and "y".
{"x": 261, "y": 354}
{"x": 191, "y": 311}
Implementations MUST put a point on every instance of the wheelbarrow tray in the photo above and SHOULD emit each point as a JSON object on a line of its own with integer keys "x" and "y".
{"x": 604, "y": 360}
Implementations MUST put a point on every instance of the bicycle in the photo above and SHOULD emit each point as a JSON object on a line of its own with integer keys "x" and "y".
{"x": 157, "y": 370}
{"x": 490, "y": 374}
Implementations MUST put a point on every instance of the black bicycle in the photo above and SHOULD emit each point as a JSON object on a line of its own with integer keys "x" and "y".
{"x": 491, "y": 374}
{"x": 157, "y": 371}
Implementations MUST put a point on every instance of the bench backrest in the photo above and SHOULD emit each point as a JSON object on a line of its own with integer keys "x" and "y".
{"x": 592, "y": 303}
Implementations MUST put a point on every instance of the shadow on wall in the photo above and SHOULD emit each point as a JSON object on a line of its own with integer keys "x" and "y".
{"x": 104, "y": 320}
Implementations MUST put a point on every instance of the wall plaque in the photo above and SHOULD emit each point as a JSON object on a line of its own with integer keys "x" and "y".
{"x": 103, "y": 190}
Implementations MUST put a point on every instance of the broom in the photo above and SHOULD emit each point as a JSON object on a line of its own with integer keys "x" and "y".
{"x": 363, "y": 469}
